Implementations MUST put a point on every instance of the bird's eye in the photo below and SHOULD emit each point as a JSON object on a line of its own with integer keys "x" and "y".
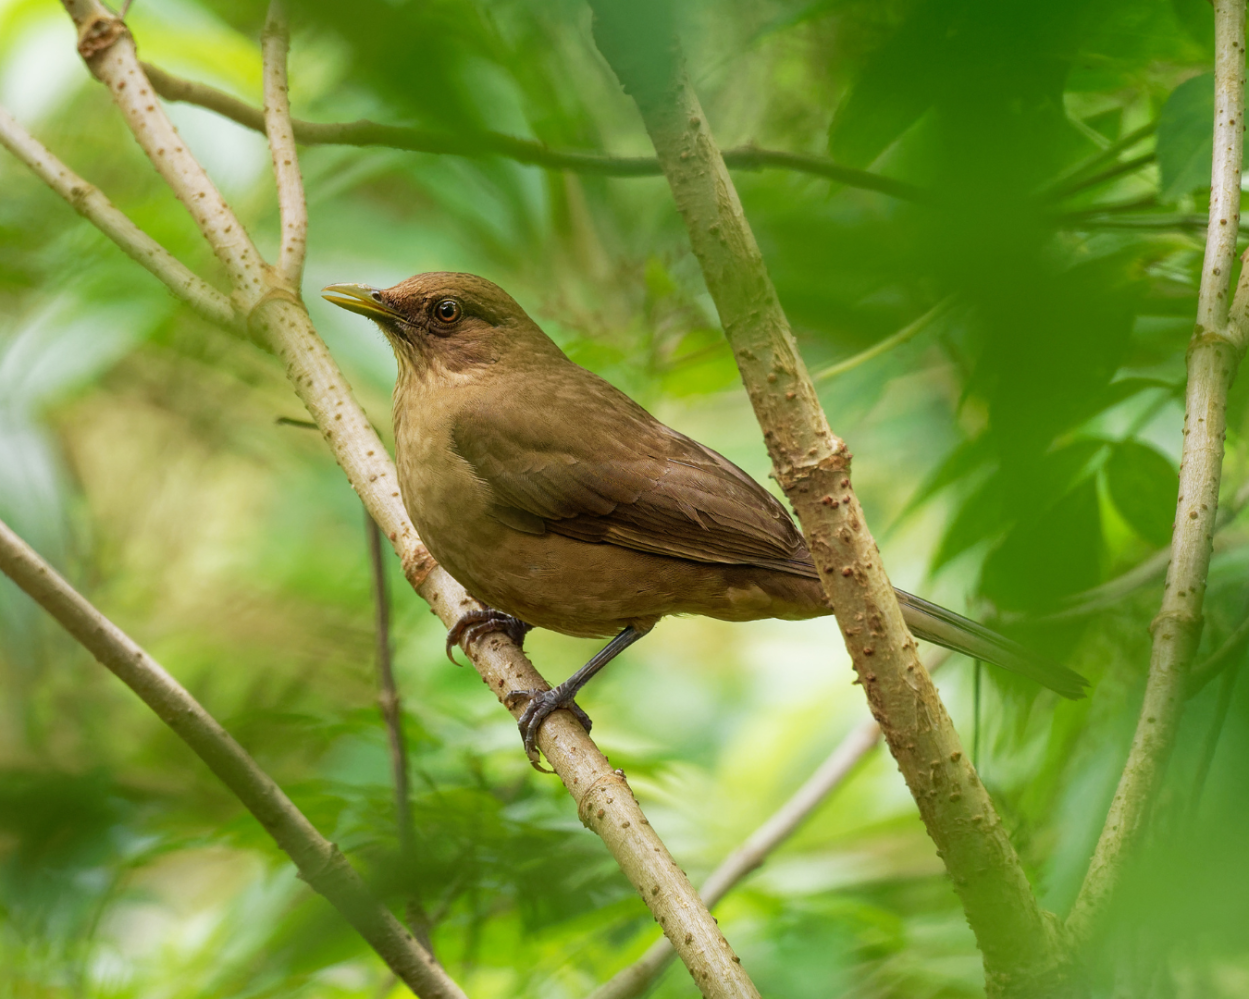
{"x": 447, "y": 311}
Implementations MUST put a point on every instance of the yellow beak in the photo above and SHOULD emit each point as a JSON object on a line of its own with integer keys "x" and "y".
{"x": 361, "y": 298}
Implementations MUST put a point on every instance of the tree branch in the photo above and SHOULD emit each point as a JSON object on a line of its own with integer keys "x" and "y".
{"x": 293, "y": 208}
{"x": 92, "y": 205}
{"x": 319, "y": 861}
{"x": 828, "y": 777}
{"x": 368, "y": 133}
{"x": 1213, "y": 356}
{"x": 813, "y": 467}
{"x": 605, "y": 802}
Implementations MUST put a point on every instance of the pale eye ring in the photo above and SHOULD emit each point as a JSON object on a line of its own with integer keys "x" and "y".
{"x": 447, "y": 311}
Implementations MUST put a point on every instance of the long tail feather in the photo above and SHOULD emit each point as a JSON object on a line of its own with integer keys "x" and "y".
{"x": 944, "y": 627}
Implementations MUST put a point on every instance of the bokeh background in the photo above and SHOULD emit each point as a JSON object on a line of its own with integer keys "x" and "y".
{"x": 1019, "y": 450}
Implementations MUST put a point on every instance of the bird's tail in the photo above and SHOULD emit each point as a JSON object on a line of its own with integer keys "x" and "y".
{"x": 944, "y": 627}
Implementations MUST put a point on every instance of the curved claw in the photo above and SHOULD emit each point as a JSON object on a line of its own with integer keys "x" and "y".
{"x": 541, "y": 704}
{"x": 478, "y": 623}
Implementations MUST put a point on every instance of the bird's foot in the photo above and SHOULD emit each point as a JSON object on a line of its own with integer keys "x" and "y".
{"x": 541, "y": 704}
{"x": 478, "y": 623}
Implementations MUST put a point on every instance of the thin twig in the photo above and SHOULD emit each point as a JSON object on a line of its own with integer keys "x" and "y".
{"x": 392, "y": 715}
{"x": 1107, "y": 155}
{"x": 92, "y": 205}
{"x": 293, "y": 208}
{"x": 1227, "y": 654}
{"x": 605, "y": 802}
{"x": 908, "y": 332}
{"x": 319, "y": 861}
{"x": 1114, "y": 591}
{"x": 1107, "y": 175}
{"x": 814, "y": 792}
{"x": 478, "y": 144}
{"x": 1213, "y": 733}
{"x": 637, "y": 977}
{"x": 812, "y": 466}
{"x": 1213, "y": 357}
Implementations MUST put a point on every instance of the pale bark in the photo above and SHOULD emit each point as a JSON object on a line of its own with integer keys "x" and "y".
{"x": 292, "y": 206}
{"x": 1213, "y": 356}
{"x": 812, "y": 465}
{"x": 319, "y": 861}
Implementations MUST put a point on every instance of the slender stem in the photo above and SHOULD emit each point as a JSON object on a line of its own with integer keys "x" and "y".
{"x": 1107, "y": 155}
{"x": 1213, "y": 734}
{"x": 293, "y": 209}
{"x": 815, "y": 791}
{"x": 908, "y": 332}
{"x": 1109, "y": 174}
{"x": 319, "y": 861}
{"x": 92, "y": 205}
{"x": 812, "y": 465}
{"x": 1113, "y": 591}
{"x": 1213, "y": 356}
{"x": 368, "y": 133}
{"x": 638, "y": 977}
{"x": 392, "y": 715}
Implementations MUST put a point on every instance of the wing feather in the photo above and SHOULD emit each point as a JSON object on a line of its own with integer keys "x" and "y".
{"x": 613, "y": 474}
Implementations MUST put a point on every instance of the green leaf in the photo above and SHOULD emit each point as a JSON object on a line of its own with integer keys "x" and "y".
{"x": 1185, "y": 138}
{"x": 1045, "y": 558}
{"x": 1143, "y": 486}
{"x": 894, "y": 90}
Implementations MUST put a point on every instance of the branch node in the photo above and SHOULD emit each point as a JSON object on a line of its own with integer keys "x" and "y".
{"x": 98, "y": 34}
{"x": 613, "y": 777}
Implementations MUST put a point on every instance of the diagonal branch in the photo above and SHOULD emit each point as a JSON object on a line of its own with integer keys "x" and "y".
{"x": 319, "y": 861}
{"x": 292, "y": 206}
{"x": 813, "y": 467}
{"x": 1213, "y": 356}
{"x": 368, "y": 133}
{"x": 828, "y": 777}
{"x": 92, "y": 205}
{"x": 605, "y": 802}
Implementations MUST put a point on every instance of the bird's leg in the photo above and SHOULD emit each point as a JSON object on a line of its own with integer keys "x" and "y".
{"x": 543, "y": 702}
{"x": 483, "y": 621}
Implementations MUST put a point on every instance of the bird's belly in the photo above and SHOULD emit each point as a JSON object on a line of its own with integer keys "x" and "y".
{"x": 572, "y": 586}
{"x": 587, "y": 589}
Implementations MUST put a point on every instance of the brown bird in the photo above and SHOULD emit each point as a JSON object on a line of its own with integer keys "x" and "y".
{"x": 560, "y": 503}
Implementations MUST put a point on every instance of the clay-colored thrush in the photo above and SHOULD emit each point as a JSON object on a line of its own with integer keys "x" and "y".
{"x": 560, "y": 503}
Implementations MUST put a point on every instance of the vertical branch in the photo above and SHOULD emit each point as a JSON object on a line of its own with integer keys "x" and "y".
{"x": 813, "y": 467}
{"x": 293, "y": 208}
{"x": 392, "y": 715}
{"x": 1213, "y": 356}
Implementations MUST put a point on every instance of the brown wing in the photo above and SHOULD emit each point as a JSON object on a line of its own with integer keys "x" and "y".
{"x": 579, "y": 458}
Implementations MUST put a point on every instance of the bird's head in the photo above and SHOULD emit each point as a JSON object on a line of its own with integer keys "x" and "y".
{"x": 446, "y": 322}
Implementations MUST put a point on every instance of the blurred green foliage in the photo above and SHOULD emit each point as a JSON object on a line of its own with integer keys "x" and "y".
{"x": 1020, "y": 450}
